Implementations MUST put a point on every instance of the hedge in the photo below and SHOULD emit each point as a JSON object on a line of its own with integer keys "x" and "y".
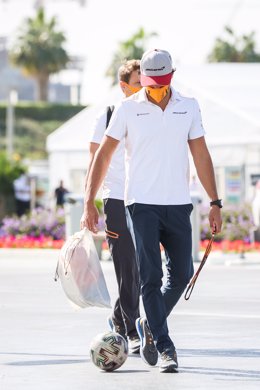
{"x": 43, "y": 111}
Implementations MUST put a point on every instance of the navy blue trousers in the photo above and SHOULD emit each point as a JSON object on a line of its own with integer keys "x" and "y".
{"x": 170, "y": 226}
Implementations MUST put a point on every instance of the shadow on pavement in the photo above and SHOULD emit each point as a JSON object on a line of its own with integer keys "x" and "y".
{"x": 225, "y": 372}
{"x": 123, "y": 371}
{"x": 38, "y": 354}
{"x": 252, "y": 353}
{"x": 46, "y": 362}
{"x": 222, "y": 372}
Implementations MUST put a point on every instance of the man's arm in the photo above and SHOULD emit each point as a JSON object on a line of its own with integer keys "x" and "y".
{"x": 93, "y": 147}
{"x": 205, "y": 171}
{"x": 95, "y": 176}
{"x": 97, "y": 134}
{"x": 96, "y": 138}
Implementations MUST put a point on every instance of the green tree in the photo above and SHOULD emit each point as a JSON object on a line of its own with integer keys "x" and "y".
{"x": 132, "y": 48}
{"x": 39, "y": 51}
{"x": 9, "y": 171}
{"x": 234, "y": 48}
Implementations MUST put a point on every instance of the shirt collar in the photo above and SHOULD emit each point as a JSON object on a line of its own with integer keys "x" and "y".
{"x": 141, "y": 96}
{"x": 175, "y": 95}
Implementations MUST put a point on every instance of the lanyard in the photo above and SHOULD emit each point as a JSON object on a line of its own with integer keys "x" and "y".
{"x": 195, "y": 277}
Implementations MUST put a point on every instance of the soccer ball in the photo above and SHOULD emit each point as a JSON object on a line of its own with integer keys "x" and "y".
{"x": 108, "y": 351}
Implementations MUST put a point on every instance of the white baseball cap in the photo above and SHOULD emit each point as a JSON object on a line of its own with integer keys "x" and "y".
{"x": 156, "y": 68}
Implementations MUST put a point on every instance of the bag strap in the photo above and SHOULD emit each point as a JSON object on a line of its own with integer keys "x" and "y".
{"x": 110, "y": 110}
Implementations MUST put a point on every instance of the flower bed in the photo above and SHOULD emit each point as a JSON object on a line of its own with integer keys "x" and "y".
{"x": 237, "y": 246}
{"x": 46, "y": 229}
{"x": 40, "y": 229}
{"x": 30, "y": 242}
{"x": 237, "y": 224}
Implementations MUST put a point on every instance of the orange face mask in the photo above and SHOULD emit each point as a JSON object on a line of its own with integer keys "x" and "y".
{"x": 132, "y": 89}
{"x": 157, "y": 94}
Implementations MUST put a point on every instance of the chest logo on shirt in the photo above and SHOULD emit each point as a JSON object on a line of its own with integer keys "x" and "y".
{"x": 143, "y": 113}
{"x": 179, "y": 112}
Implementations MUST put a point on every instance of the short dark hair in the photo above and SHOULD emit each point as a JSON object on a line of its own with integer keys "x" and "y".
{"x": 126, "y": 69}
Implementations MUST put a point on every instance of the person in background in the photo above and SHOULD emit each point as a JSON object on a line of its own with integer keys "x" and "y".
{"x": 60, "y": 193}
{"x": 22, "y": 194}
{"x": 126, "y": 308}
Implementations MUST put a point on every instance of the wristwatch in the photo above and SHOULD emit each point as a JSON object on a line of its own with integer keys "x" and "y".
{"x": 217, "y": 202}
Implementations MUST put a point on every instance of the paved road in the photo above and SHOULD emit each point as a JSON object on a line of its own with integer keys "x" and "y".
{"x": 44, "y": 343}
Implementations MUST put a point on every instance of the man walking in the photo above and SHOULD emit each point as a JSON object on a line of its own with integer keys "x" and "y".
{"x": 158, "y": 125}
{"x": 126, "y": 309}
{"x": 22, "y": 193}
{"x": 59, "y": 194}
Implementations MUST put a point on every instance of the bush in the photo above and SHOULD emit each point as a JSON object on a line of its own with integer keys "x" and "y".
{"x": 35, "y": 121}
{"x": 26, "y": 130}
{"x": 9, "y": 171}
{"x": 99, "y": 205}
{"x": 40, "y": 111}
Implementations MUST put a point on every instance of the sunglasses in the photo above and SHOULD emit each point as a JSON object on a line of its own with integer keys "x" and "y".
{"x": 195, "y": 276}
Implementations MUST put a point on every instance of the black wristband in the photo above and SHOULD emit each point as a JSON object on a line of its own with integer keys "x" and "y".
{"x": 217, "y": 202}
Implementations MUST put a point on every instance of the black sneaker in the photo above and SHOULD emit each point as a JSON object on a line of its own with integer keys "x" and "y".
{"x": 148, "y": 350}
{"x": 116, "y": 328}
{"x": 134, "y": 344}
{"x": 169, "y": 362}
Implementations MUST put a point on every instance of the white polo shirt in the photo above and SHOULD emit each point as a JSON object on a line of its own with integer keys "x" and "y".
{"x": 114, "y": 182}
{"x": 22, "y": 188}
{"x": 156, "y": 143}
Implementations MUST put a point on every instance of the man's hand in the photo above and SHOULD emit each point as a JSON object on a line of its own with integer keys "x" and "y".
{"x": 89, "y": 218}
{"x": 215, "y": 219}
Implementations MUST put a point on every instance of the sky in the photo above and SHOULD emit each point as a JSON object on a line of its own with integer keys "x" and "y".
{"x": 186, "y": 28}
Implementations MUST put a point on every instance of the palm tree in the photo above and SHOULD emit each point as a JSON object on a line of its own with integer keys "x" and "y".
{"x": 132, "y": 48}
{"x": 39, "y": 52}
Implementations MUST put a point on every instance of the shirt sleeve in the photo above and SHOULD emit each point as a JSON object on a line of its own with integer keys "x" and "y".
{"x": 117, "y": 126}
{"x": 99, "y": 128}
{"x": 196, "y": 129}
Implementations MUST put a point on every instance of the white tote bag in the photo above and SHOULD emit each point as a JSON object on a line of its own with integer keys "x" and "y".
{"x": 80, "y": 272}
